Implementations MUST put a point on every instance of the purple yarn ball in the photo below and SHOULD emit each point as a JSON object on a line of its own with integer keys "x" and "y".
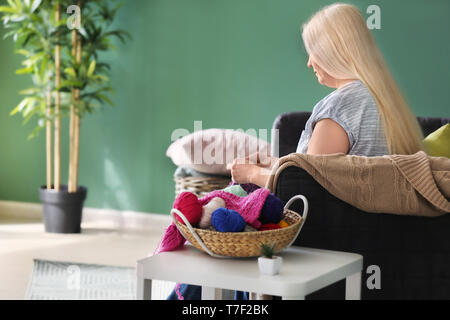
{"x": 272, "y": 210}
{"x": 248, "y": 187}
{"x": 225, "y": 220}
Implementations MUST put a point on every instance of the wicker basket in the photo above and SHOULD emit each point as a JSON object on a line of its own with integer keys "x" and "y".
{"x": 200, "y": 185}
{"x": 243, "y": 244}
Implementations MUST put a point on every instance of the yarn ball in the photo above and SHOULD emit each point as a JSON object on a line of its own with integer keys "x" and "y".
{"x": 225, "y": 220}
{"x": 249, "y": 228}
{"x": 269, "y": 226}
{"x": 236, "y": 190}
{"x": 208, "y": 209}
{"x": 249, "y": 187}
{"x": 272, "y": 210}
{"x": 188, "y": 204}
{"x": 283, "y": 224}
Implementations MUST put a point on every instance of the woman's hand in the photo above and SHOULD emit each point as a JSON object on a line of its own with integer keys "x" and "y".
{"x": 248, "y": 173}
{"x": 242, "y": 172}
{"x": 260, "y": 159}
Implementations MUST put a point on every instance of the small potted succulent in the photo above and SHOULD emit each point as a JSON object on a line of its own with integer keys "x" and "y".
{"x": 268, "y": 263}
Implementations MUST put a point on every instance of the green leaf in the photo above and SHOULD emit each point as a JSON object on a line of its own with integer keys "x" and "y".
{"x": 29, "y": 107}
{"x": 105, "y": 98}
{"x": 82, "y": 71}
{"x": 16, "y": 109}
{"x": 29, "y": 91}
{"x": 7, "y": 9}
{"x": 19, "y": 4}
{"x": 100, "y": 77}
{"x": 42, "y": 106}
{"x": 70, "y": 83}
{"x": 12, "y": 4}
{"x": 20, "y": 106}
{"x": 70, "y": 72}
{"x": 82, "y": 31}
{"x": 43, "y": 68}
{"x": 18, "y": 17}
{"x": 23, "y": 52}
{"x": 268, "y": 250}
{"x": 24, "y": 70}
{"x": 91, "y": 68}
{"x": 34, "y": 133}
{"x": 29, "y": 116}
{"x": 9, "y": 34}
{"x": 35, "y": 5}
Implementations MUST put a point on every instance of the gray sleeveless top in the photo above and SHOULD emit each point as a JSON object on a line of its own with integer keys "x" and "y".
{"x": 354, "y": 109}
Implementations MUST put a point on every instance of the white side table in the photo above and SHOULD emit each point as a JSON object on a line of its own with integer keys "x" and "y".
{"x": 304, "y": 270}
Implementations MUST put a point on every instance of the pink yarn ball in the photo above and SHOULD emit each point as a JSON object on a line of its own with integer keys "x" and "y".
{"x": 188, "y": 204}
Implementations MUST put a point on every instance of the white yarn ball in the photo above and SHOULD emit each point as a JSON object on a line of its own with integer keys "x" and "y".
{"x": 208, "y": 209}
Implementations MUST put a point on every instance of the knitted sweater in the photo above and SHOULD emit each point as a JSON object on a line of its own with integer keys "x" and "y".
{"x": 414, "y": 184}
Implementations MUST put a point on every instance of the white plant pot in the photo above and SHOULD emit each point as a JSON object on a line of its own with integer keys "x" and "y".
{"x": 269, "y": 266}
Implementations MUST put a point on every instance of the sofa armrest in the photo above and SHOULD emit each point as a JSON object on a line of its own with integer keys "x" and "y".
{"x": 288, "y": 127}
{"x": 413, "y": 253}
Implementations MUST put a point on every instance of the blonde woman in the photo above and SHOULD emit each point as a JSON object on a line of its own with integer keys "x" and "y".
{"x": 366, "y": 115}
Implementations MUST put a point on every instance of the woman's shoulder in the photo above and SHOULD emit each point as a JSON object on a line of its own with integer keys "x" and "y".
{"x": 351, "y": 98}
{"x": 353, "y": 91}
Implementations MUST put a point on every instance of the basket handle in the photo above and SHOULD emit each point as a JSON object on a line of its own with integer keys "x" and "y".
{"x": 191, "y": 229}
{"x": 304, "y": 214}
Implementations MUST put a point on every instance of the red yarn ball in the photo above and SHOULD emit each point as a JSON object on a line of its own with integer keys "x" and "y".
{"x": 188, "y": 204}
{"x": 269, "y": 226}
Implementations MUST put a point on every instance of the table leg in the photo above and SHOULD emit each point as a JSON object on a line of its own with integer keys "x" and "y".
{"x": 144, "y": 289}
{"x": 353, "y": 287}
{"x": 293, "y": 298}
{"x": 259, "y": 296}
{"x": 209, "y": 293}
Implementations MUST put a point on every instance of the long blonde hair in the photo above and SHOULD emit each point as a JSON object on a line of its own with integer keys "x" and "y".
{"x": 340, "y": 42}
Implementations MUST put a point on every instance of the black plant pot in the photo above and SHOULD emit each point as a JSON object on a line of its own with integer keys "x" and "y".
{"x": 62, "y": 210}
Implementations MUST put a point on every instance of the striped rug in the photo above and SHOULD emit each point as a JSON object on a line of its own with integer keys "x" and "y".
{"x": 57, "y": 280}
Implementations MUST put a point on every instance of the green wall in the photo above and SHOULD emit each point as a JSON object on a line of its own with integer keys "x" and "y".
{"x": 230, "y": 63}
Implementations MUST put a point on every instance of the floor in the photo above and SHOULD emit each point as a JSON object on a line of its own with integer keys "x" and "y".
{"x": 101, "y": 242}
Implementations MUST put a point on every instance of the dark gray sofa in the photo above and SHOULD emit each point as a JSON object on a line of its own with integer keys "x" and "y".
{"x": 413, "y": 253}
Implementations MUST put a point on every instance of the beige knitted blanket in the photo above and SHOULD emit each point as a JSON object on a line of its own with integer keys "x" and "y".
{"x": 400, "y": 184}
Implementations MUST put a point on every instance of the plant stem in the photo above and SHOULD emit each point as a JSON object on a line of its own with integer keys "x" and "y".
{"x": 57, "y": 154}
{"x": 77, "y": 118}
{"x": 49, "y": 139}
{"x": 71, "y": 185}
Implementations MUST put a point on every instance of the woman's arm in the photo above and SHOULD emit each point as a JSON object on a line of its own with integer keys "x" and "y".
{"x": 328, "y": 137}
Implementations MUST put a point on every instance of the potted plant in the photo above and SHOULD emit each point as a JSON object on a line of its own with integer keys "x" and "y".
{"x": 62, "y": 56}
{"x": 268, "y": 263}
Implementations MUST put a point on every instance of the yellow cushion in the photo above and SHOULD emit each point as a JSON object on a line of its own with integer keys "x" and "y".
{"x": 437, "y": 143}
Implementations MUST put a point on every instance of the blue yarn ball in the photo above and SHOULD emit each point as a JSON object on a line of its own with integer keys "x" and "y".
{"x": 225, "y": 220}
{"x": 272, "y": 210}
